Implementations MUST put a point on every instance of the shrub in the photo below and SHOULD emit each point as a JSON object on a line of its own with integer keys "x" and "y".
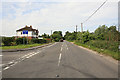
{"x": 8, "y": 40}
{"x": 21, "y": 41}
{"x": 34, "y": 40}
{"x": 102, "y": 44}
{"x": 13, "y": 43}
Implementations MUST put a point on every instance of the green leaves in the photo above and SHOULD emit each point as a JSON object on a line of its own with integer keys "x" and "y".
{"x": 8, "y": 40}
{"x": 56, "y": 36}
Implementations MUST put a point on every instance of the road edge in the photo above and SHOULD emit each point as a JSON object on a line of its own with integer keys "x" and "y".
{"x": 26, "y": 49}
{"x": 99, "y": 54}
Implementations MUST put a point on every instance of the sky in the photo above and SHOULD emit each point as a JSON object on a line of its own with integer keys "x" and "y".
{"x": 55, "y": 15}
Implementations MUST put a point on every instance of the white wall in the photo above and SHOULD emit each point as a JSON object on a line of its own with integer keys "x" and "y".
{"x": 22, "y": 35}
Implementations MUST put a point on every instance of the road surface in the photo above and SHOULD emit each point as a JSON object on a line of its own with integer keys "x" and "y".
{"x": 61, "y": 59}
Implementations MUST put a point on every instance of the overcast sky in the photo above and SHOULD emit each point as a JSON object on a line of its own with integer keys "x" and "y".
{"x": 63, "y": 15}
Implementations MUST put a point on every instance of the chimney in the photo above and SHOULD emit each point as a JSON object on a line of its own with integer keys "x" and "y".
{"x": 30, "y": 26}
{"x": 26, "y": 26}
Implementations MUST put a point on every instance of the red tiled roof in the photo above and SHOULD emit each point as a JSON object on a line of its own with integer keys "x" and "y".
{"x": 27, "y": 28}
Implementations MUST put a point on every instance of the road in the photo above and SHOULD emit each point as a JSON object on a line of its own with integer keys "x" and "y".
{"x": 61, "y": 59}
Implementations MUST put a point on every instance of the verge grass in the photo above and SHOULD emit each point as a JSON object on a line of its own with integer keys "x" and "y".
{"x": 20, "y": 46}
{"x": 115, "y": 55}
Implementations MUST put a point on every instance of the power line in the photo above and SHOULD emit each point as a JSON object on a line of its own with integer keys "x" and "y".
{"x": 95, "y": 11}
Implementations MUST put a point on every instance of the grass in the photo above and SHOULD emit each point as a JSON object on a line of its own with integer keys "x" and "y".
{"x": 115, "y": 55}
{"x": 20, "y": 46}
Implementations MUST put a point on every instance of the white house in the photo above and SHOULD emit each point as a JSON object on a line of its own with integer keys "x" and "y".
{"x": 27, "y": 32}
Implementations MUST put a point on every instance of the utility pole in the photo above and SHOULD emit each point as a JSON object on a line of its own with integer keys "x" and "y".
{"x": 76, "y": 28}
{"x": 81, "y": 27}
{"x": 51, "y": 35}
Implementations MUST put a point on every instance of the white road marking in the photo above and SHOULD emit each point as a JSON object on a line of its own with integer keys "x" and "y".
{"x": 6, "y": 68}
{"x": 67, "y": 48}
{"x": 59, "y": 59}
{"x": 23, "y": 58}
{"x": 61, "y": 48}
{"x": 11, "y": 62}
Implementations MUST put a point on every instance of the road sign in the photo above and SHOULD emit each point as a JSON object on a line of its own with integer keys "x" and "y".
{"x": 25, "y": 31}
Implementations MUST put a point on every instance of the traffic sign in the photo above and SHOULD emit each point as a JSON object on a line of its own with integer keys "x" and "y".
{"x": 25, "y": 31}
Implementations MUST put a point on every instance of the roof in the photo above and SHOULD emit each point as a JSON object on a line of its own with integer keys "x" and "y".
{"x": 27, "y": 28}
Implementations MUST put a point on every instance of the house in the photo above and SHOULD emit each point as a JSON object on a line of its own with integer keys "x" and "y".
{"x": 27, "y": 32}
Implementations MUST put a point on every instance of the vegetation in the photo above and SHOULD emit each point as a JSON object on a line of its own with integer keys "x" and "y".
{"x": 7, "y": 41}
{"x": 56, "y": 36}
{"x": 103, "y": 39}
{"x": 41, "y": 41}
{"x": 12, "y": 43}
{"x": 21, "y": 41}
{"x": 20, "y": 46}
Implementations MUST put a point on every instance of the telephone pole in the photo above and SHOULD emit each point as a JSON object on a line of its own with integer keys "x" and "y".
{"x": 51, "y": 35}
{"x": 76, "y": 28}
{"x": 81, "y": 27}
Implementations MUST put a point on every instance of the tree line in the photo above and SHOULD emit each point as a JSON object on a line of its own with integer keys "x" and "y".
{"x": 104, "y": 38}
{"x": 101, "y": 33}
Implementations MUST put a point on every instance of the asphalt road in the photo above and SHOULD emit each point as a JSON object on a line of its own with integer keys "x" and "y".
{"x": 62, "y": 59}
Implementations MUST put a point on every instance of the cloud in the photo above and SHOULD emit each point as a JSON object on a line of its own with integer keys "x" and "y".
{"x": 56, "y": 16}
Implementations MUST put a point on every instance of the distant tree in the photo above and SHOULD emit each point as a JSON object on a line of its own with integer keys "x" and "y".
{"x": 57, "y": 35}
{"x": 70, "y": 36}
{"x": 45, "y": 36}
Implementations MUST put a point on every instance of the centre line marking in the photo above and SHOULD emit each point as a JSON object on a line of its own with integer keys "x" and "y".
{"x": 67, "y": 48}
{"x": 59, "y": 59}
{"x": 61, "y": 48}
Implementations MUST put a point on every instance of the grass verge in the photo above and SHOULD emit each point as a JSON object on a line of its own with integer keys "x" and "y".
{"x": 115, "y": 55}
{"x": 20, "y": 46}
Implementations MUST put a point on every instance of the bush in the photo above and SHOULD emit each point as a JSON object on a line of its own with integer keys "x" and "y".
{"x": 21, "y": 41}
{"x": 8, "y": 40}
{"x": 102, "y": 44}
{"x": 13, "y": 43}
{"x": 34, "y": 40}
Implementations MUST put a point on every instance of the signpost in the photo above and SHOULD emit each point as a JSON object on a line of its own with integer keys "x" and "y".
{"x": 25, "y": 32}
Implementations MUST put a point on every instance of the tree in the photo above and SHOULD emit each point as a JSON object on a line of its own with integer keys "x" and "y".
{"x": 100, "y": 32}
{"x": 57, "y": 35}
{"x": 45, "y": 36}
{"x": 70, "y": 36}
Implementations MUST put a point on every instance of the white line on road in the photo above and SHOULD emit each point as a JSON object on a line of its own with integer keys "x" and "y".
{"x": 61, "y": 48}
{"x": 59, "y": 59}
{"x": 6, "y": 68}
{"x": 67, "y": 48}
